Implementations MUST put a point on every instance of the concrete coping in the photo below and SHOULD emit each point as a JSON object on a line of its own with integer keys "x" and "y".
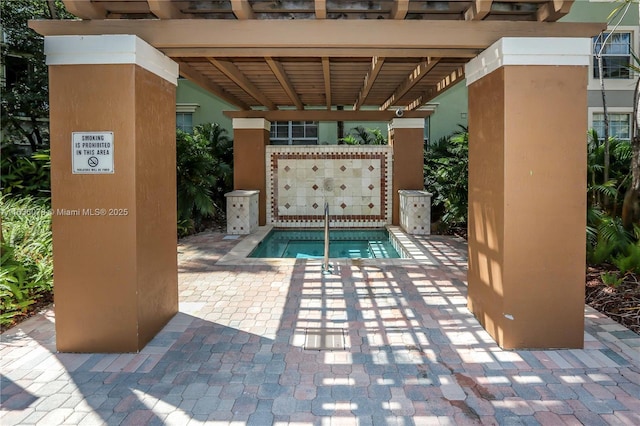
{"x": 242, "y": 193}
{"x": 414, "y": 193}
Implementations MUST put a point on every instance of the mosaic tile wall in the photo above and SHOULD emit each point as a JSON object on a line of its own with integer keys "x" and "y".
{"x": 354, "y": 180}
{"x": 242, "y": 211}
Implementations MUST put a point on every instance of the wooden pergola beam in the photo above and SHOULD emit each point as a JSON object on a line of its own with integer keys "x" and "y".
{"x": 418, "y": 73}
{"x": 324, "y": 115}
{"x": 280, "y": 73}
{"x": 303, "y": 52}
{"x": 399, "y": 9}
{"x": 242, "y": 9}
{"x": 478, "y": 10}
{"x": 326, "y": 73}
{"x": 359, "y": 35}
{"x": 321, "y": 9}
{"x": 369, "y": 79}
{"x": 235, "y": 75}
{"x": 85, "y": 9}
{"x": 164, "y": 9}
{"x": 553, "y": 10}
{"x": 191, "y": 74}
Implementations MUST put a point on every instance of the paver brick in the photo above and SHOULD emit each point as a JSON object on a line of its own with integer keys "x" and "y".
{"x": 415, "y": 356}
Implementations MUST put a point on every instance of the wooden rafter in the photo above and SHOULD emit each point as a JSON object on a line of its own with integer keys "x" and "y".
{"x": 280, "y": 73}
{"x": 190, "y": 73}
{"x": 326, "y": 73}
{"x": 164, "y": 9}
{"x": 85, "y": 9}
{"x": 369, "y": 79}
{"x": 321, "y": 9}
{"x": 399, "y": 9}
{"x": 478, "y": 10}
{"x": 412, "y": 79}
{"x": 235, "y": 75}
{"x": 416, "y": 103}
{"x": 445, "y": 83}
{"x": 242, "y": 9}
{"x": 554, "y": 10}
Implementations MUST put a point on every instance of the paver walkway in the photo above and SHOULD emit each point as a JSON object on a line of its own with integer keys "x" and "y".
{"x": 243, "y": 350}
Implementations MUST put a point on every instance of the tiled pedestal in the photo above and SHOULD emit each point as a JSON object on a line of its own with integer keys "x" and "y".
{"x": 415, "y": 211}
{"x": 242, "y": 211}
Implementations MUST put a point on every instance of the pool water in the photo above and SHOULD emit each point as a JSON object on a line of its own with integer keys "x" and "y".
{"x": 309, "y": 244}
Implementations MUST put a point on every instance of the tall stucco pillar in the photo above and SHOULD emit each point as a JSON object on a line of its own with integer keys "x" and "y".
{"x": 113, "y": 181}
{"x": 527, "y": 190}
{"x": 250, "y": 140}
{"x": 406, "y": 136}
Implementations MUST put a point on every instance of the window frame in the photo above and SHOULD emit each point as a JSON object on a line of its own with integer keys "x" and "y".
{"x": 186, "y": 109}
{"x": 614, "y": 83}
{"x": 290, "y": 139}
{"x": 611, "y": 111}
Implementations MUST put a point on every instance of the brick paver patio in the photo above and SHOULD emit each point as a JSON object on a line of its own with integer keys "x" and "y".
{"x": 406, "y": 351}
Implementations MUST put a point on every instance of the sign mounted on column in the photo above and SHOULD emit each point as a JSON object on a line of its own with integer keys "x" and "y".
{"x": 92, "y": 152}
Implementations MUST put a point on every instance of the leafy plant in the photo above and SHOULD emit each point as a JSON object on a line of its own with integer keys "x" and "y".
{"x": 629, "y": 261}
{"x": 611, "y": 279}
{"x": 204, "y": 175}
{"x": 446, "y": 173}
{"x": 361, "y": 136}
{"x": 23, "y": 175}
{"x": 27, "y": 255}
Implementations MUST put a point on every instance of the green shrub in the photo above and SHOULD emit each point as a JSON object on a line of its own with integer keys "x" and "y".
{"x": 24, "y": 175}
{"x": 27, "y": 256}
{"x": 611, "y": 279}
{"x": 204, "y": 175}
{"x": 361, "y": 136}
{"x": 446, "y": 173}
{"x": 629, "y": 261}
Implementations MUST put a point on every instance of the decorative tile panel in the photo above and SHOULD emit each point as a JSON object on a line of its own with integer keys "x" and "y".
{"x": 354, "y": 180}
{"x": 415, "y": 212}
{"x": 242, "y": 212}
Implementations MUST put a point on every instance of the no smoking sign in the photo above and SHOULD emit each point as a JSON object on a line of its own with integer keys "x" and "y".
{"x": 92, "y": 152}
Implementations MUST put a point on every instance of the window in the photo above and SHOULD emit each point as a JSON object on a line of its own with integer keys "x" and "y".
{"x": 184, "y": 121}
{"x": 184, "y": 116}
{"x": 619, "y": 125}
{"x": 294, "y": 133}
{"x": 616, "y": 55}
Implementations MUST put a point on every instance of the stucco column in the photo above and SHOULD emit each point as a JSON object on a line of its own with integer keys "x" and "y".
{"x": 250, "y": 139}
{"x": 527, "y": 190}
{"x": 113, "y": 182}
{"x": 406, "y": 136}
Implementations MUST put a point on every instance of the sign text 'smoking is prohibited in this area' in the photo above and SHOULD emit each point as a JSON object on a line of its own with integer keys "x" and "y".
{"x": 92, "y": 152}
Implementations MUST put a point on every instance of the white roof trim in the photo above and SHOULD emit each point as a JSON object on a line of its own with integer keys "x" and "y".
{"x": 251, "y": 123}
{"x": 186, "y": 107}
{"x": 529, "y": 51}
{"x": 407, "y": 123}
{"x": 109, "y": 49}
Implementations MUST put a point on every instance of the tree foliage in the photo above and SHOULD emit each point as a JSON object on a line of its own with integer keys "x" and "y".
{"x": 25, "y": 101}
{"x": 446, "y": 173}
{"x": 204, "y": 174}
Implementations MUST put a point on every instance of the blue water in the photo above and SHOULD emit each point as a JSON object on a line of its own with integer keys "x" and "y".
{"x": 309, "y": 244}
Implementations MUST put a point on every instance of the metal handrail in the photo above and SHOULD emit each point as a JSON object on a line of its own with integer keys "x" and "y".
{"x": 325, "y": 263}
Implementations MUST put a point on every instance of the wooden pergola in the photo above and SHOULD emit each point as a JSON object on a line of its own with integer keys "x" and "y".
{"x": 116, "y": 75}
{"x": 272, "y": 55}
